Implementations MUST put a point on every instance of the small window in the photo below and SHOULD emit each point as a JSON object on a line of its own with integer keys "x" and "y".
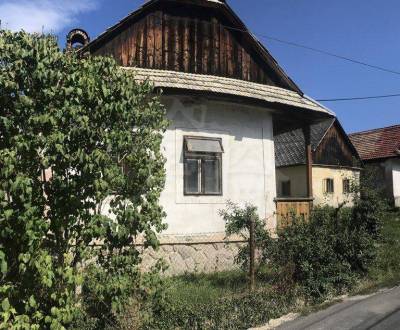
{"x": 329, "y": 186}
{"x": 346, "y": 186}
{"x": 285, "y": 188}
{"x": 202, "y": 166}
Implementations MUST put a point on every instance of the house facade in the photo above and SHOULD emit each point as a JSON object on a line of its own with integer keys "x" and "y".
{"x": 225, "y": 97}
{"x": 336, "y": 164}
{"x": 380, "y": 151}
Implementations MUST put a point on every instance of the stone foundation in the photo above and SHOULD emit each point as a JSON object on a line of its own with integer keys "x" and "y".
{"x": 205, "y": 254}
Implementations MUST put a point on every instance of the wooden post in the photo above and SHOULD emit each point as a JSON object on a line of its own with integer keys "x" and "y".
{"x": 252, "y": 247}
{"x": 309, "y": 160}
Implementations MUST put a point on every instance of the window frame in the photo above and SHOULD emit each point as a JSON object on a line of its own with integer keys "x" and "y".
{"x": 200, "y": 157}
{"x": 326, "y": 186}
{"x": 346, "y": 184}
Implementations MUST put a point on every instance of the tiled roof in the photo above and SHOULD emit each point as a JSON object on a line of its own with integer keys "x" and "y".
{"x": 290, "y": 146}
{"x": 378, "y": 143}
{"x": 228, "y": 86}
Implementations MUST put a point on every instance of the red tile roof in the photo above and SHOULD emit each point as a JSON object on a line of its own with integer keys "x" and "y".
{"x": 378, "y": 143}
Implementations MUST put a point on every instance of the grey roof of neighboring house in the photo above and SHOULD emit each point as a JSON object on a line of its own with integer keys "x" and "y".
{"x": 228, "y": 86}
{"x": 290, "y": 146}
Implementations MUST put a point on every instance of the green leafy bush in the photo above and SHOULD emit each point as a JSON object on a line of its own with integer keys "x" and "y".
{"x": 237, "y": 222}
{"x": 323, "y": 256}
{"x": 385, "y": 271}
{"x": 67, "y": 127}
{"x": 330, "y": 252}
{"x": 138, "y": 311}
{"x": 370, "y": 203}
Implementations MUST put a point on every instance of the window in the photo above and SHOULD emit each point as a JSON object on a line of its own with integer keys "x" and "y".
{"x": 346, "y": 186}
{"x": 329, "y": 186}
{"x": 202, "y": 166}
{"x": 285, "y": 188}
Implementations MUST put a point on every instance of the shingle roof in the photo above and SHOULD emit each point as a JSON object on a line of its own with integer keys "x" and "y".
{"x": 290, "y": 146}
{"x": 228, "y": 86}
{"x": 378, "y": 143}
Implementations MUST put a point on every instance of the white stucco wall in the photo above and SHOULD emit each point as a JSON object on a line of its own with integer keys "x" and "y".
{"x": 396, "y": 181}
{"x": 248, "y": 162}
{"x": 391, "y": 178}
{"x": 338, "y": 175}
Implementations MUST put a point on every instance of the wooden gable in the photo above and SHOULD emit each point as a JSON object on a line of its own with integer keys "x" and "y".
{"x": 193, "y": 36}
{"x": 336, "y": 148}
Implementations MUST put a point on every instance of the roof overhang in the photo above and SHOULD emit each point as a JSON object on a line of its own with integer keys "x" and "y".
{"x": 379, "y": 159}
{"x": 277, "y": 98}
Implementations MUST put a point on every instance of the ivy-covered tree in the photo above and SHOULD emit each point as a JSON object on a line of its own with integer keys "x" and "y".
{"x": 81, "y": 173}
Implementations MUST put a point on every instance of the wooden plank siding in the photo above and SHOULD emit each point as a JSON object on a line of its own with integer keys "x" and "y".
{"x": 335, "y": 150}
{"x": 285, "y": 209}
{"x": 187, "y": 41}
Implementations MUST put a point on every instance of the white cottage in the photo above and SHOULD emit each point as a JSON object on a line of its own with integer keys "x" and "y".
{"x": 226, "y": 97}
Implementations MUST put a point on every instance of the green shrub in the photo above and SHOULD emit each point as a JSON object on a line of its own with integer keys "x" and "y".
{"x": 237, "y": 222}
{"x": 139, "y": 309}
{"x": 82, "y": 120}
{"x": 323, "y": 256}
{"x": 331, "y": 251}
{"x": 385, "y": 271}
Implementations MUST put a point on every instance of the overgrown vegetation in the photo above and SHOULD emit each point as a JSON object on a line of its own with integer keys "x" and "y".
{"x": 308, "y": 262}
{"x": 324, "y": 256}
{"x": 219, "y": 301}
{"x": 203, "y": 298}
{"x": 67, "y": 128}
{"x": 385, "y": 270}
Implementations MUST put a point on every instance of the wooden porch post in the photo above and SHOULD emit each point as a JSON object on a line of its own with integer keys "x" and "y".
{"x": 309, "y": 161}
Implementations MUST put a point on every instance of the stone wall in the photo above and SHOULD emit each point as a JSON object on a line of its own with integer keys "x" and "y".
{"x": 194, "y": 255}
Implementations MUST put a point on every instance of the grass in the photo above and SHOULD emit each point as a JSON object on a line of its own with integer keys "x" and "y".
{"x": 202, "y": 288}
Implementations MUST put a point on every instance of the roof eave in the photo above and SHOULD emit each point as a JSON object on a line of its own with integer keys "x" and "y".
{"x": 200, "y": 83}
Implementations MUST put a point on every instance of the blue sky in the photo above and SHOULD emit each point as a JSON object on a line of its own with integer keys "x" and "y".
{"x": 364, "y": 30}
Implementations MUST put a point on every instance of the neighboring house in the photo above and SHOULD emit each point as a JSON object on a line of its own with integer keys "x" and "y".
{"x": 225, "y": 95}
{"x": 335, "y": 164}
{"x": 380, "y": 149}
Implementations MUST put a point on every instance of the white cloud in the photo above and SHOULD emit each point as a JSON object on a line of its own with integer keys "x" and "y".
{"x": 37, "y": 15}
